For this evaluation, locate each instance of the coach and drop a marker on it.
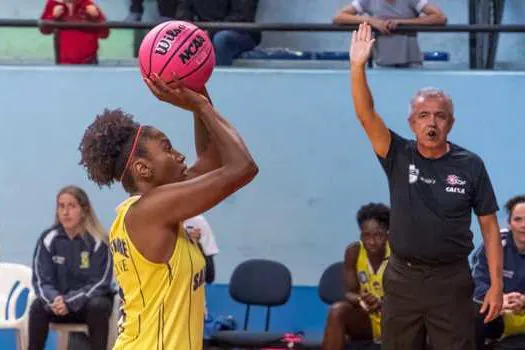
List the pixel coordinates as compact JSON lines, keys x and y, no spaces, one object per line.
{"x":434,"y":186}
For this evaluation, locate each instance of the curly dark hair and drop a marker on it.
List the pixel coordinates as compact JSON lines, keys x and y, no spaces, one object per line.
{"x":375,"y":211}
{"x":512,"y":203}
{"x":105,"y":148}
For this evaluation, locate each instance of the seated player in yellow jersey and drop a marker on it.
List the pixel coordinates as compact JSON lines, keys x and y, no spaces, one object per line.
{"x":359,"y":316}
{"x":159,"y":268}
{"x":512,"y":318}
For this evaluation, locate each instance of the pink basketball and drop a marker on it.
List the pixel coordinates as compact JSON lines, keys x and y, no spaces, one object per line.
{"x":181,"y":48}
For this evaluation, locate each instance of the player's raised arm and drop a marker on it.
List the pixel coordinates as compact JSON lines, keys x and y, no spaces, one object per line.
{"x":375,"y":128}
{"x":175,"y":202}
{"x":208,"y":157}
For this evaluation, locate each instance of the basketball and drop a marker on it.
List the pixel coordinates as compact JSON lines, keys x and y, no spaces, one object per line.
{"x":181,"y":48}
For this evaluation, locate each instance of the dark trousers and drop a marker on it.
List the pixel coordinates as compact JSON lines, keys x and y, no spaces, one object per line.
{"x":229,"y":44}
{"x":431,"y":303}
{"x":95,"y":314}
{"x":167,"y":8}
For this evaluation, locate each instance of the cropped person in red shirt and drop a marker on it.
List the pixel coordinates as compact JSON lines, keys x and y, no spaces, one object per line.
{"x":75,"y":46}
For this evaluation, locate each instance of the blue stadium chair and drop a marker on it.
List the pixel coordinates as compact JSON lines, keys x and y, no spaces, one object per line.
{"x":331,"y":285}
{"x":331,"y":289}
{"x":256,"y":282}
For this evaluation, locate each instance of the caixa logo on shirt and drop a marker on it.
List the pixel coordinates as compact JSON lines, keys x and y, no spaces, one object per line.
{"x":455,"y":184}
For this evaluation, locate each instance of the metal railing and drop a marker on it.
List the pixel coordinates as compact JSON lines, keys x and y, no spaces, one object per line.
{"x":264,"y":27}
{"x":472,"y":29}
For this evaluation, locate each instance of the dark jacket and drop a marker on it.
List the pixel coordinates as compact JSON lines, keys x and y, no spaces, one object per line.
{"x":219,"y":11}
{"x":78,"y":269}
{"x":513,"y":269}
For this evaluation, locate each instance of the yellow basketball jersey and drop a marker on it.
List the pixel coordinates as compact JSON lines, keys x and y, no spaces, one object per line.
{"x":371,"y":282}
{"x":162,"y":304}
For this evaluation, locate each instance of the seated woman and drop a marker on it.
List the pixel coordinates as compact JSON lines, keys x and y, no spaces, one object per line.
{"x":72,"y":272}
{"x":512,"y":319}
{"x":358,"y":317}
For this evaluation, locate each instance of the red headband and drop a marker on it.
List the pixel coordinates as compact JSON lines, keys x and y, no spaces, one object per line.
{"x":132,"y":152}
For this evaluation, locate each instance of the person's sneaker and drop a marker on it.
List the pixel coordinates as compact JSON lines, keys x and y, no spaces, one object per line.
{"x":133,"y":17}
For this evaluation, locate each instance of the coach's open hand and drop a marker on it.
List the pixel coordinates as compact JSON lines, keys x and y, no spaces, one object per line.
{"x":176,"y":94}
{"x":492,"y":303}
{"x":362,"y":43}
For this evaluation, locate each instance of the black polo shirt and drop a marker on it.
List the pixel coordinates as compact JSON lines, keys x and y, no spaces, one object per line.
{"x":432,"y":201}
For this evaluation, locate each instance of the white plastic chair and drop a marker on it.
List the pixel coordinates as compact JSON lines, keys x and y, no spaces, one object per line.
{"x":63,"y":329}
{"x":15,"y":284}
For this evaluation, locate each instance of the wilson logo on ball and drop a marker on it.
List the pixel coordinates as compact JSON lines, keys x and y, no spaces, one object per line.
{"x":177,"y":48}
{"x":164,"y":45}
{"x":192,"y":49}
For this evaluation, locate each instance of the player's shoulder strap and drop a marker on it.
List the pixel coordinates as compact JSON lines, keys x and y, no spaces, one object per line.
{"x":362,"y":257}
{"x":123,"y":207}
{"x":121,"y":211}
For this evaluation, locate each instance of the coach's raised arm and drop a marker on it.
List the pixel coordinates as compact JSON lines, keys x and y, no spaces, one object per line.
{"x":375,"y":128}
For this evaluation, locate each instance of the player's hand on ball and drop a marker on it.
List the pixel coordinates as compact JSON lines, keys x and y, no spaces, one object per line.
{"x":176,"y":94}
{"x":362,"y":43}
{"x":492,"y":303}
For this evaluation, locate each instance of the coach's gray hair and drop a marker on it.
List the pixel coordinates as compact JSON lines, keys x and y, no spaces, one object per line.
{"x":430,"y":92}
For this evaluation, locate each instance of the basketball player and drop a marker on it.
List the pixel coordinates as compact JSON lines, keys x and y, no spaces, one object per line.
{"x":434,"y":187}
{"x":359,"y":316}
{"x":160,"y":270}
